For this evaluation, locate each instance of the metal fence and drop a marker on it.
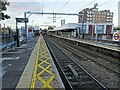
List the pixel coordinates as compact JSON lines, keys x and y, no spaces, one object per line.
{"x":8,"y":40}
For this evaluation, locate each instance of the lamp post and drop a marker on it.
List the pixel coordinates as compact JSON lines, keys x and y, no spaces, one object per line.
{"x":32,"y":28}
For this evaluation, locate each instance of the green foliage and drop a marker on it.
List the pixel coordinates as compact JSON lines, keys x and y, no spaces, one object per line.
{"x":7,"y":16}
{"x":45,"y":29}
{"x":51,"y":27}
{"x":3,"y":7}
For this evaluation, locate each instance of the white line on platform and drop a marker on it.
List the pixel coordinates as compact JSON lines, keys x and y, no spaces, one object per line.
{"x":12,"y":52}
{"x":9,"y":58}
{"x":29,"y":48}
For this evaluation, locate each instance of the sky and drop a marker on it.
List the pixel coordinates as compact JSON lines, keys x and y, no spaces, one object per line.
{"x":18,"y":7}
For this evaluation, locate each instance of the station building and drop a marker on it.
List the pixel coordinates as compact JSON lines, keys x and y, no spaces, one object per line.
{"x":75,"y":29}
{"x":100,"y":22}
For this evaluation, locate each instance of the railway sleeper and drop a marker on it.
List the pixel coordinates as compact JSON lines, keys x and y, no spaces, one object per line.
{"x":73,"y":71}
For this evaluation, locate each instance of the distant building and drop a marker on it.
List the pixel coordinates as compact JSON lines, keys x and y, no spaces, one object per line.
{"x":62,"y":22}
{"x":100,"y":21}
{"x":104,"y":16}
{"x":119,"y":13}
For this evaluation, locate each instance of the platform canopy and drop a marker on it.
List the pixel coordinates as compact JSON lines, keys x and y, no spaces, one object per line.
{"x":66,"y":26}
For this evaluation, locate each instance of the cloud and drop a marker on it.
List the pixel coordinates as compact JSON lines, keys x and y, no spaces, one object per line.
{"x":18,"y":7}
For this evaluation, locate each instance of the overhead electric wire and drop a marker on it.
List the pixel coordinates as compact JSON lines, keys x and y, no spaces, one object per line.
{"x":87,"y":5}
{"x":43,"y":5}
{"x":105,"y":3}
{"x":82,"y":7}
{"x":64,"y":5}
{"x":42,"y":11}
{"x":54,"y":5}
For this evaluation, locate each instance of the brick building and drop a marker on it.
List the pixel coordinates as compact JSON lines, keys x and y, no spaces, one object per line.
{"x":91,"y":16}
{"x":96,"y":21}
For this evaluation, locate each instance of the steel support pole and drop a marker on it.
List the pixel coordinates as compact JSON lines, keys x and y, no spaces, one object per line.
{"x":52,"y":13}
{"x":17,"y":35}
{"x":79,"y":32}
{"x":119,"y":42}
{"x":82,"y":26}
{"x":26,"y":35}
{"x":96,"y":32}
{"x":93,"y":26}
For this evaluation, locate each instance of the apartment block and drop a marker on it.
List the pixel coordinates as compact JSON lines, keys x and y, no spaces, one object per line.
{"x":92,"y":16}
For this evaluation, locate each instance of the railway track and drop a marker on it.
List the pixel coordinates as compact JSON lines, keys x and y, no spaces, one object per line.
{"x":109,"y":63}
{"x":100,"y":61}
{"x":72,"y":74}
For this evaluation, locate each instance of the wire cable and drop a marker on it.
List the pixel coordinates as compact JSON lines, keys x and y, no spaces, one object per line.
{"x":54,"y":5}
{"x":86,"y":5}
{"x":105,"y":3}
{"x":43,"y":5}
{"x":64,"y":5}
{"x":82,"y":7}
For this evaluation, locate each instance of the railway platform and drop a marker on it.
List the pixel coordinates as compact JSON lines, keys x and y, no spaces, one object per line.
{"x":40,"y":72}
{"x":97,"y":44}
{"x":49,"y":66}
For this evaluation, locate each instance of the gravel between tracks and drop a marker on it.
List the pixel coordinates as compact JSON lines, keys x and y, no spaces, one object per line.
{"x":107,"y":78}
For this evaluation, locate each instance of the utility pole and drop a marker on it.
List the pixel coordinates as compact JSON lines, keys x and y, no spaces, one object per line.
{"x":26,"y":33}
{"x":95,"y":9}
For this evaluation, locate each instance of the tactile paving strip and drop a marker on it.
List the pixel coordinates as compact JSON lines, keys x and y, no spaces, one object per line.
{"x":43,"y":73}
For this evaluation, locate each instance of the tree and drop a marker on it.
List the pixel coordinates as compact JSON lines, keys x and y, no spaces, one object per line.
{"x":44,"y":29}
{"x":51,"y":27}
{"x":3,"y":7}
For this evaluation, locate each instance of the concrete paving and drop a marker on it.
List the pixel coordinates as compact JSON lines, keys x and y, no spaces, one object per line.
{"x":40,"y":72}
{"x":14,"y":65}
{"x":99,"y":44}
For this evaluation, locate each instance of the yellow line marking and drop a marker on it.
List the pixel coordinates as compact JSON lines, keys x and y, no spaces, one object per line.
{"x":42,"y":54}
{"x":44,"y":69}
{"x":35,"y":71}
{"x":44,"y":61}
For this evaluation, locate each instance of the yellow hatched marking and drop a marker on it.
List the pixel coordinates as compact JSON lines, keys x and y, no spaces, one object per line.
{"x":43,"y":61}
{"x":35,"y":71}
{"x":44,"y":69}
{"x":42,"y":52}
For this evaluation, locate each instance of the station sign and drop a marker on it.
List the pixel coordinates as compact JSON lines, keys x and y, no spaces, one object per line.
{"x":116,"y":36}
{"x":22,"y":20}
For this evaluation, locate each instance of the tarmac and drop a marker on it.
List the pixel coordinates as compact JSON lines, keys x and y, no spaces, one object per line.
{"x":29,"y":66}
{"x":14,"y":62}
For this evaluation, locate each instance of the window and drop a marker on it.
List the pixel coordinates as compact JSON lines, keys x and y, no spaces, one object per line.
{"x":100,"y":29}
{"x":84,"y":29}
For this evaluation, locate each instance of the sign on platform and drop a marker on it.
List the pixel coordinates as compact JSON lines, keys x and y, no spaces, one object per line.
{"x":22,"y":20}
{"x":116,"y":36}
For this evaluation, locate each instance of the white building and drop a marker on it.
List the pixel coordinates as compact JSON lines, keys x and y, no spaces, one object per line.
{"x":119,"y":13}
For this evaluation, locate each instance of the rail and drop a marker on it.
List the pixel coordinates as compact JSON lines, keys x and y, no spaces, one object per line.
{"x":62,"y":60}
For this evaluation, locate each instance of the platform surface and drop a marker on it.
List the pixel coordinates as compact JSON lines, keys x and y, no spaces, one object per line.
{"x":40,"y":71}
{"x":14,"y":62}
{"x":99,"y":44}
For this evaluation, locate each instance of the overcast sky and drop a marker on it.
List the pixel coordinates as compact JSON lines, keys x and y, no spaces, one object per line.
{"x":18,"y":7}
